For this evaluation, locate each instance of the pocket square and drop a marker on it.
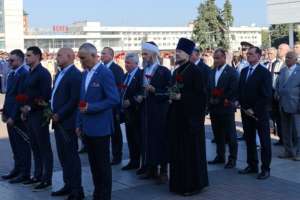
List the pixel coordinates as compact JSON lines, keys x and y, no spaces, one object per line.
{"x":95,"y":84}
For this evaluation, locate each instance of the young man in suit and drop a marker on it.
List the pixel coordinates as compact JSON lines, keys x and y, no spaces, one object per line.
{"x":64,"y":104}
{"x":255,"y":95}
{"x":38,"y":88}
{"x":288,"y":93}
{"x":11,"y":115}
{"x":224,"y":78}
{"x":107,"y":56}
{"x":98,"y":96}
{"x":131,"y":109}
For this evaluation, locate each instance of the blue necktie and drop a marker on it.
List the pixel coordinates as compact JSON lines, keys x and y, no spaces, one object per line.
{"x":250,"y":71}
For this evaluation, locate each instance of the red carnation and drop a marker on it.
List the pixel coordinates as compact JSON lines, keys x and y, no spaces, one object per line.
{"x":148,"y":76}
{"x":179,"y":78}
{"x":122,"y":86}
{"x":227,"y":103}
{"x":217,"y":92}
{"x":21,"y":98}
{"x":82,"y":104}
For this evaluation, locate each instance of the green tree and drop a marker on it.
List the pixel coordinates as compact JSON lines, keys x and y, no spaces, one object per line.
{"x":210,"y":29}
{"x":227,"y":14}
{"x":265,"y":39}
{"x":279,"y":33}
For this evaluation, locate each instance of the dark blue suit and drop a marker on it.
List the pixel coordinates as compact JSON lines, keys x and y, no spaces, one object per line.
{"x":65,"y":104}
{"x":97,"y":126}
{"x":222,"y":116}
{"x":116,"y":138}
{"x":132,"y":117}
{"x":11,"y":109}
{"x":256,"y":93}
{"x":38,"y":85}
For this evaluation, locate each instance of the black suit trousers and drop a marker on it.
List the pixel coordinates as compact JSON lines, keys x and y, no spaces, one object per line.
{"x":98,"y":153}
{"x":116,"y":138}
{"x":67,"y":145}
{"x":225,"y":132}
{"x":262,"y":127}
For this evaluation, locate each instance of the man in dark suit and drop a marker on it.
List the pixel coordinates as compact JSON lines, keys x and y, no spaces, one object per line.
{"x":131,"y":109}
{"x":273,"y":66}
{"x":255,"y":94}
{"x":223,"y":94}
{"x":206,"y":71}
{"x":38,"y":88}
{"x":98,"y":96}
{"x":11,"y":115}
{"x":64,"y":104}
{"x":107,"y":56}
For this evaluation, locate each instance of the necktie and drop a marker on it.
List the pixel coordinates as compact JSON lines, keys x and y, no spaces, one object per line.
{"x":127,"y":80}
{"x":250,"y":71}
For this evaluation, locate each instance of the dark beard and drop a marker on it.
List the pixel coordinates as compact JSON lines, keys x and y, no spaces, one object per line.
{"x":181,"y":62}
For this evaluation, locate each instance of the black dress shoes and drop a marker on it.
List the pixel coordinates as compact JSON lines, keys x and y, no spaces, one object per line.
{"x":44,"y":185}
{"x":130,"y":166}
{"x":230,"y":164}
{"x":61,"y":192}
{"x":217,"y":160}
{"x":115,"y":161}
{"x":11,"y":175}
{"x":19,"y":179}
{"x":141,"y":171}
{"x":31,"y":181}
{"x":76,"y":196}
{"x":263,"y":175}
{"x":248,"y":170}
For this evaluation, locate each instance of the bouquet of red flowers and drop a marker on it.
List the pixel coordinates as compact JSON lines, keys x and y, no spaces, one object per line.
{"x":22,"y":98}
{"x":48,"y":114}
{"x":122,"y":86}
{"x":82,"y":104}
{"x":217,"y":92}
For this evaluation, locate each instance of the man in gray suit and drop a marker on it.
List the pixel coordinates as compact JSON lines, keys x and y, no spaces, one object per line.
{"x":288,"y":91}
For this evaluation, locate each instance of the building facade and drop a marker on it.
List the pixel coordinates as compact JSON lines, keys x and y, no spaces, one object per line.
{"x":125,"y":38}
{"x":11,"y":25}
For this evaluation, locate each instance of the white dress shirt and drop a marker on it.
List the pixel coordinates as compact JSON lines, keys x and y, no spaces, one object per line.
{"x":218,"y":74}
{"x":57,"y":81}
{"x":90,"y":74}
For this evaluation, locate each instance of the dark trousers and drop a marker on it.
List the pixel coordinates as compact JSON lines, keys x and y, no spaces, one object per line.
{"x":20,"y":149}
{"x":98,"y":153}
{"x":40,"y":145}
{"x":225,"y":132}
{"x":116,"y":138}
{"x":133,"y":138}
{"x":67,"y":145}
{"x":275,"y":117}
{"x":262,"y":126}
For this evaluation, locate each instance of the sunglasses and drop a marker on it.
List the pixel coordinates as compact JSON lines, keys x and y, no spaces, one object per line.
{"x":11,"y":60}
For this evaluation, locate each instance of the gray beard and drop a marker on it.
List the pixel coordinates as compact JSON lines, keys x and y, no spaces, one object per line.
{"x":146,"y":64}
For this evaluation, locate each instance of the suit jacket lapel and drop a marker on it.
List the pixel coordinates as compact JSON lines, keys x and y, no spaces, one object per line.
{"x":293,"y":75}
{"x":94,"y":77}
{"x":222,"y":76}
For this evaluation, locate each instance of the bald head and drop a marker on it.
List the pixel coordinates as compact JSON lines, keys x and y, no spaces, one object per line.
{"x":283,"y":49}
{"x":65,"y":57}
{"x":291,"y":58}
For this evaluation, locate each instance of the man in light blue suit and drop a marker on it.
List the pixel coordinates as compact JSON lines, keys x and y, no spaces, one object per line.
{"x":99,"y":95}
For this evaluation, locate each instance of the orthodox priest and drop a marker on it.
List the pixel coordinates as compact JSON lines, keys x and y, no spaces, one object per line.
{"x":188,"y":167}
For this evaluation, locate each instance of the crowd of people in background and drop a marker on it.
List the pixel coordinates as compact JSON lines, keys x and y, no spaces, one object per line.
{"x":163,"y":108}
